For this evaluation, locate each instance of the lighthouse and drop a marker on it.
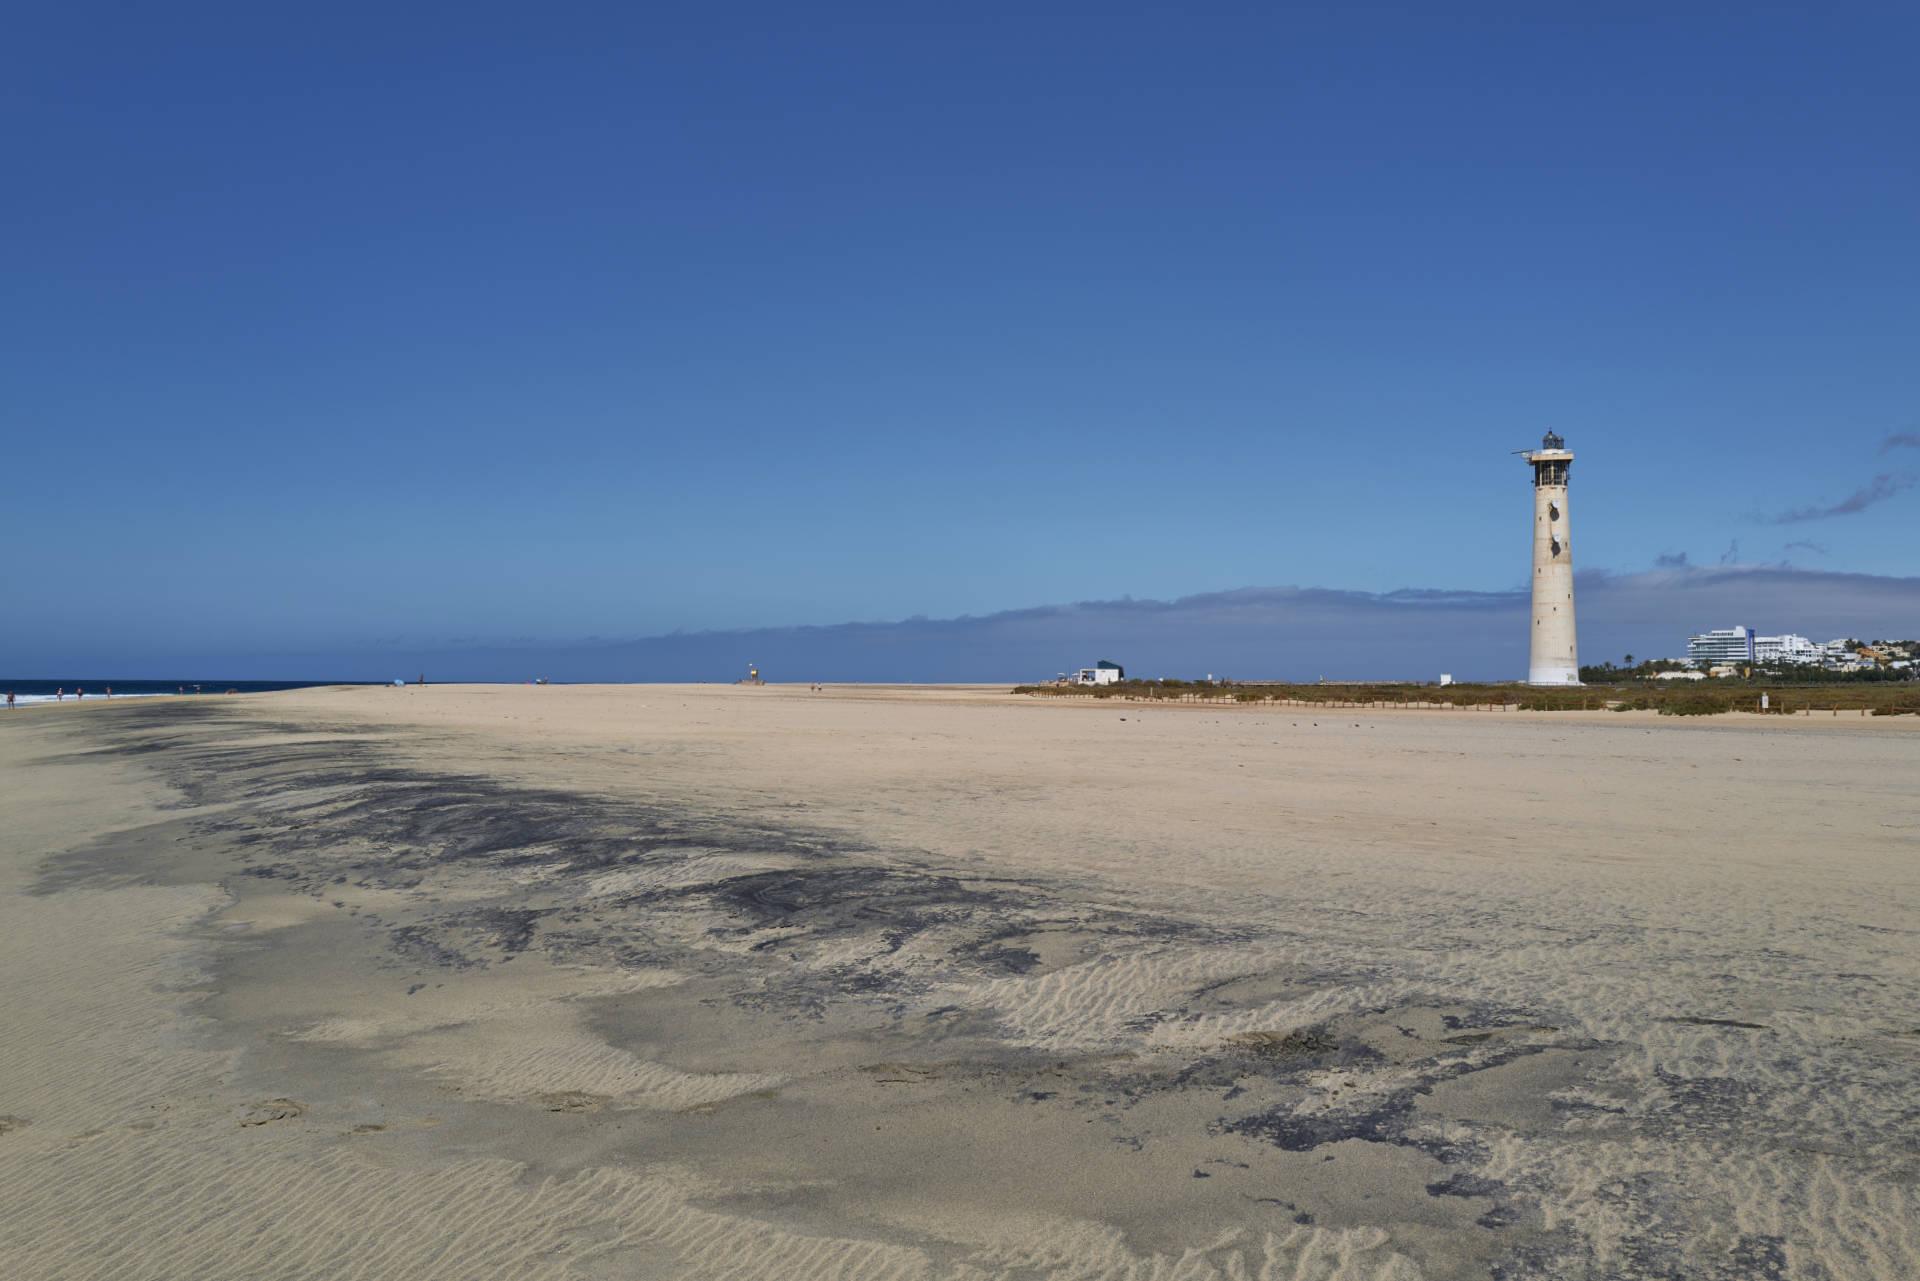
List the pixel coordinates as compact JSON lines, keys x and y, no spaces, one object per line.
{"x":1553,"y":658}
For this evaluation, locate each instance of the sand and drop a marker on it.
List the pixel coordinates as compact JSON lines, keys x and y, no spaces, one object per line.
{"x":671,"y":981}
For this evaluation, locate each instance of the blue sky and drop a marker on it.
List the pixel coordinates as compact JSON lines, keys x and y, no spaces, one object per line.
{"x":342,"y":332}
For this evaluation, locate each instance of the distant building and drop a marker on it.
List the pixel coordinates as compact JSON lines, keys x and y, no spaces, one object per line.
{"x":1726,"y":645}
{"x":1790,"y":649}
{"x":1737,"y":645}
{"x":1101,"y":673}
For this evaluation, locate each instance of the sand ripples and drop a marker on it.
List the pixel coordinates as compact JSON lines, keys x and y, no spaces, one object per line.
{"x":729,"y":1051}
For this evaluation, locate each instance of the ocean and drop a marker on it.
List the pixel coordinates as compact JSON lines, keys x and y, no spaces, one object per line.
{"x":26,"y":692}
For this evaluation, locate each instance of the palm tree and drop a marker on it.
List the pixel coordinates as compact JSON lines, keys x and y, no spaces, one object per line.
{"x":1629,"y":660}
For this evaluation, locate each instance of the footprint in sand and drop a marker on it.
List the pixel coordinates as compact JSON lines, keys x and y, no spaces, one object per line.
{"x":573,"y":1101}
{"x":273,"y":1110}
{"x":901,"y":1073}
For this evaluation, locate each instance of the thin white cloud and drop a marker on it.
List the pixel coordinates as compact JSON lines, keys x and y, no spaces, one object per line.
{"x":1877,"y":490}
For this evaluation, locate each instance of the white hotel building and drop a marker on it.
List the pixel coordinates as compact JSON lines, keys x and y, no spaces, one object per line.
{"x":1729,"y":645}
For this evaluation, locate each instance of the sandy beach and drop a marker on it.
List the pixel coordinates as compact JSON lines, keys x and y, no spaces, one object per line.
{"x":948,"y":984}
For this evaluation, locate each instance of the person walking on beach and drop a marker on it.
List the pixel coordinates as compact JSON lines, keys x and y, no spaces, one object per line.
{"x":9,"y":700}
{"x":60,"y":695}
{"x":79,"y":692}
{"x":109,"y":691}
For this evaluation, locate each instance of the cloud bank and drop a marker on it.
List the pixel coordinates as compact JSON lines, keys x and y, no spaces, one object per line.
{"x":1291,"y":633}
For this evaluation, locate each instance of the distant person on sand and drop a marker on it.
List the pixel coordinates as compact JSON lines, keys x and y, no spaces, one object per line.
{"x":109,"y":691}
{"x":60,"y":695}
{"x":9,"y":700}
{"x":79,"y":692}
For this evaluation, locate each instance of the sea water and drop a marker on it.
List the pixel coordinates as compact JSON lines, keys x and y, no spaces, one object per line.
{"x":28,"y":692}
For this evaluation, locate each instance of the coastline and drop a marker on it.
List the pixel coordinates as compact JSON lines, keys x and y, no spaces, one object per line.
{"x":929,"y":981}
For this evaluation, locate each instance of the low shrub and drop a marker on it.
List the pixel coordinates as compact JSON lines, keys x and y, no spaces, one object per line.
{"x":1696,"y":705}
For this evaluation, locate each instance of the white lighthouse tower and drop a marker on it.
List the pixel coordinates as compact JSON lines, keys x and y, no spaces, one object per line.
{"x":1554,"y":657}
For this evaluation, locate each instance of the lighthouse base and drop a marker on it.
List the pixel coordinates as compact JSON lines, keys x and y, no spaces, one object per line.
{"x":1553,"y":676}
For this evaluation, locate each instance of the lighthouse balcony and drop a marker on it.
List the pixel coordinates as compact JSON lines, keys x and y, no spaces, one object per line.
{"x":1549,"y":470}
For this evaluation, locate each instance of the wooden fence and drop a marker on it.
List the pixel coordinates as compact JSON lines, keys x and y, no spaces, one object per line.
{"x":1776,"y":705}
